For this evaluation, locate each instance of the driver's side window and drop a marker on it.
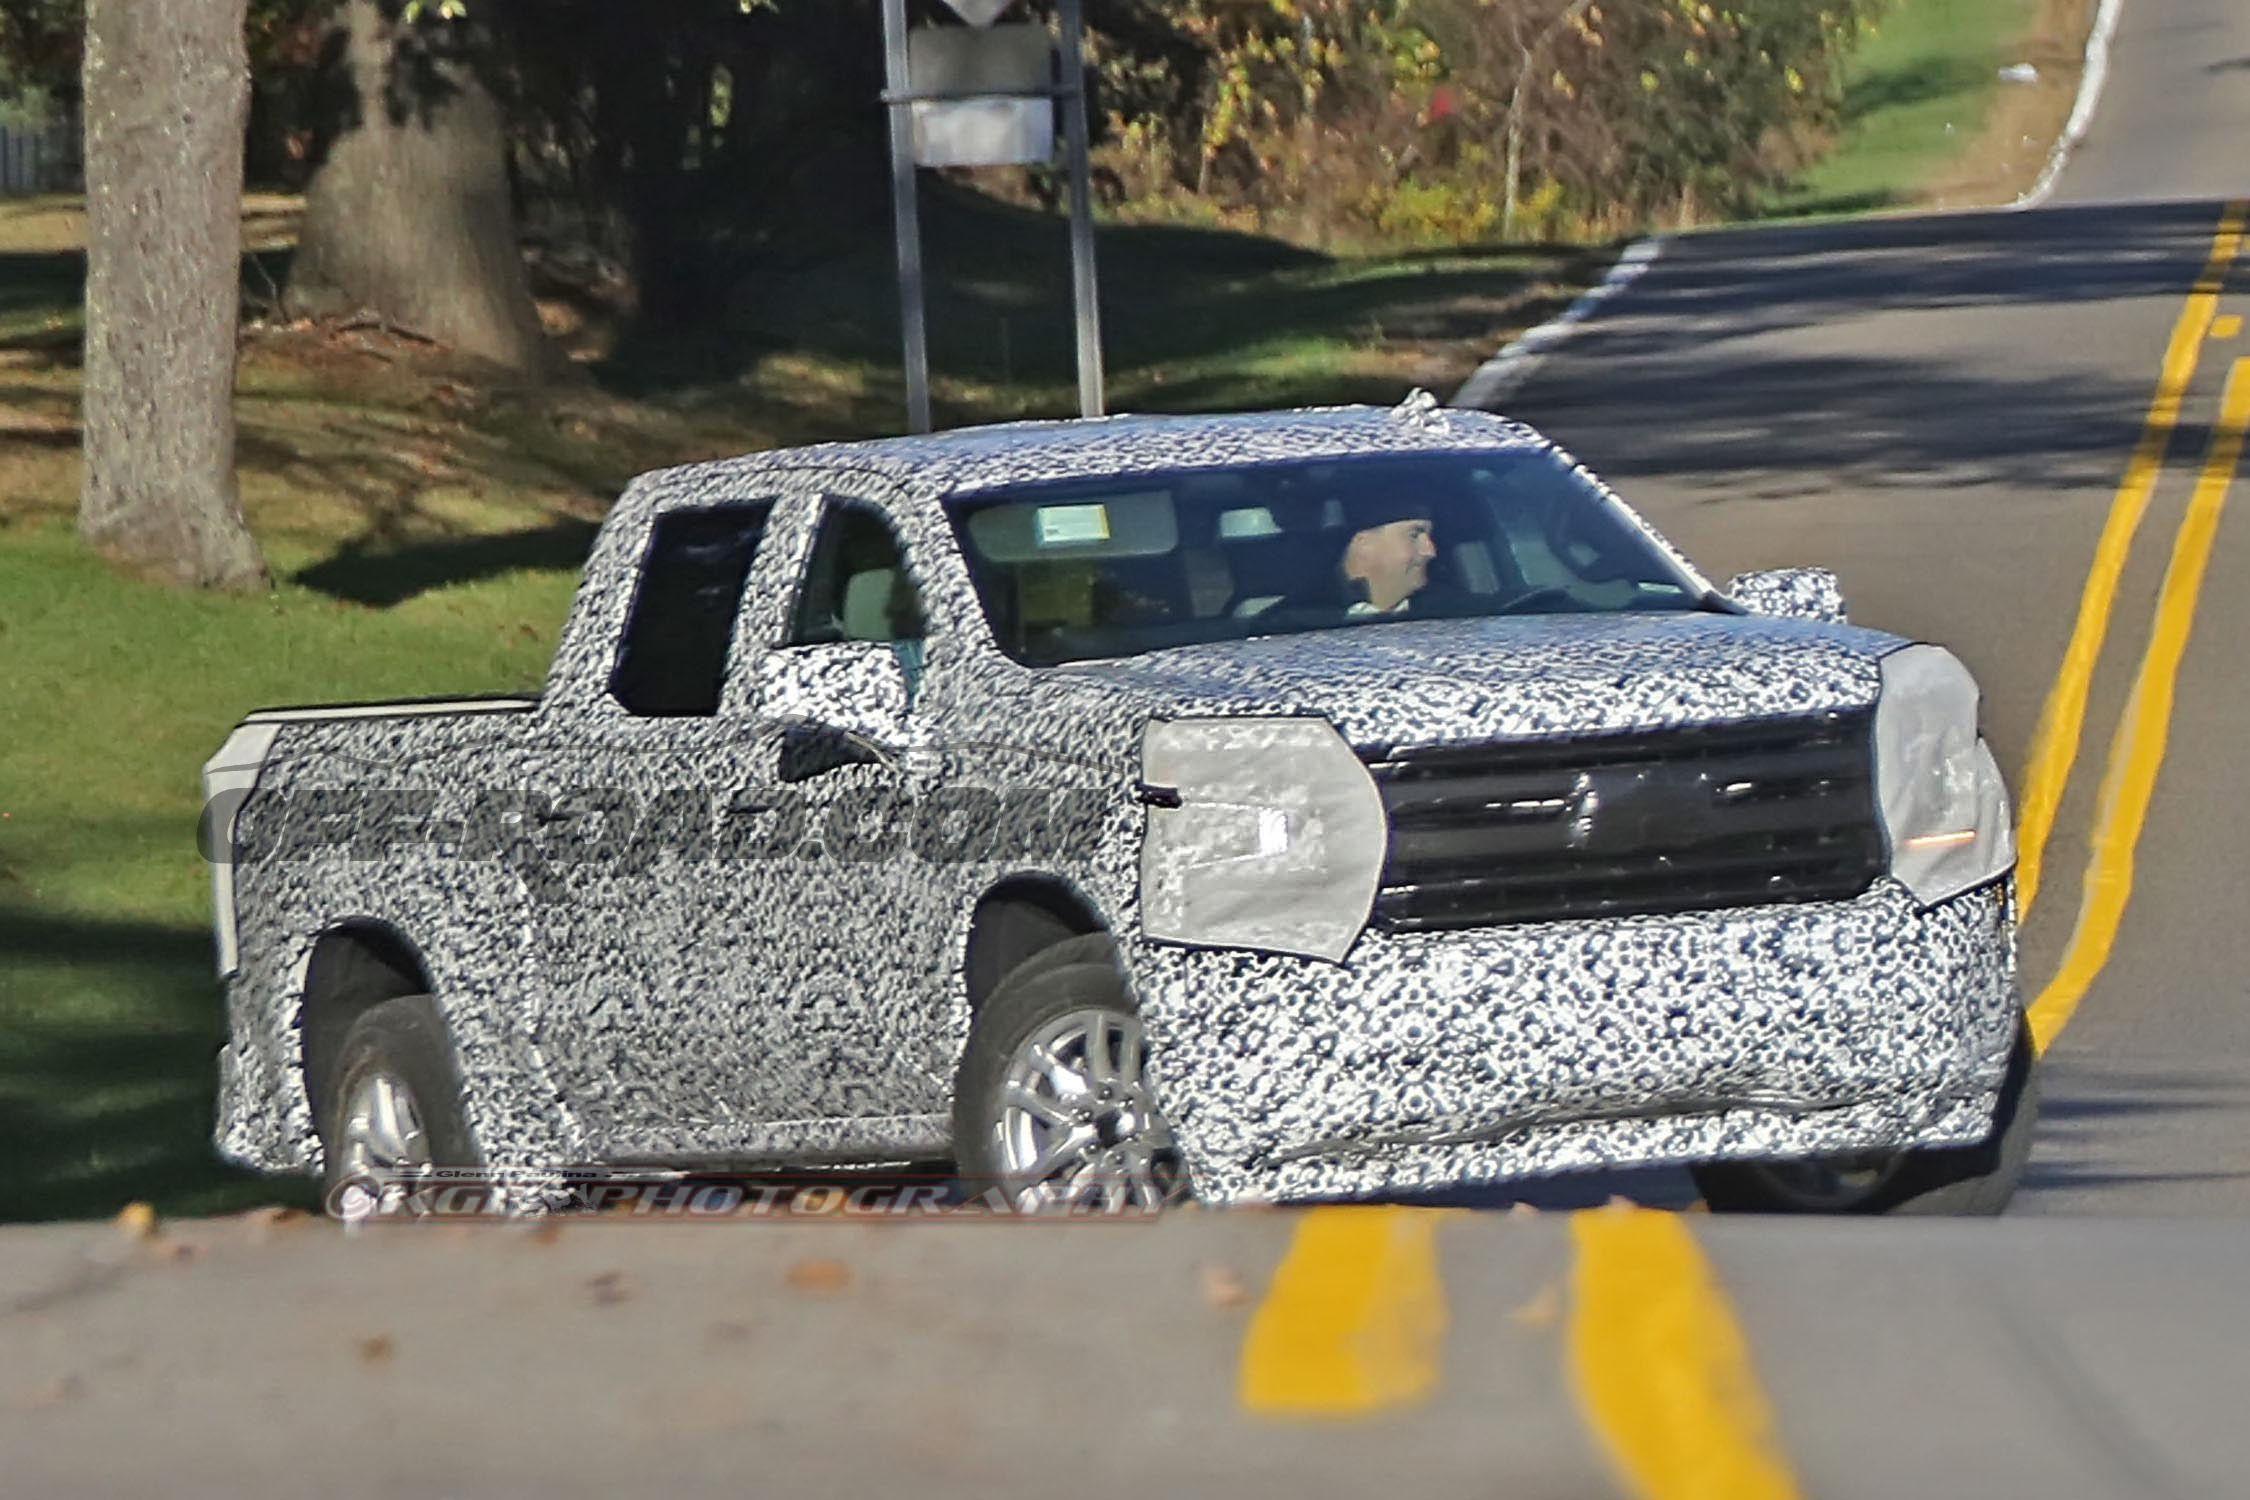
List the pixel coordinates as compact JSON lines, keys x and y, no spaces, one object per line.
{"x":857,"y":588}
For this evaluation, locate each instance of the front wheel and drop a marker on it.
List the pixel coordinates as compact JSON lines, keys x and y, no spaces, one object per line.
{"x":1054,"y":1104}
{"x":1967,"y":1181}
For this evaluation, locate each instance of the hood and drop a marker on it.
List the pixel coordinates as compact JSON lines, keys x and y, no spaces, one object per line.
{"x":1435,"y":681}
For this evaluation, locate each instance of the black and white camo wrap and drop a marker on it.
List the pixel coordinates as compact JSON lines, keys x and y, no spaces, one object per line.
{"x":1791,"y":594}
{"x":780,"y":997}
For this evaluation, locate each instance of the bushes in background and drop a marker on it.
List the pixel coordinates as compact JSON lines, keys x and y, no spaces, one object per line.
{"x":1409,"y":120}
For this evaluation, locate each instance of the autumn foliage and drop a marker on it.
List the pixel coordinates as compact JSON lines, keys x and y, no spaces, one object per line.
{"x":1392,"y":119}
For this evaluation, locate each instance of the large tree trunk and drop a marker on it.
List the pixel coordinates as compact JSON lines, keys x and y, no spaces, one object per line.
{"x":408,"y":214}
{"x":166,"y":91}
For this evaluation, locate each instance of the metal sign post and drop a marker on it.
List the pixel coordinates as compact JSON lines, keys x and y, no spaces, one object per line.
{"x":907,"y":215}
{"x":1085,"y":284}
{"x":960,"y":98}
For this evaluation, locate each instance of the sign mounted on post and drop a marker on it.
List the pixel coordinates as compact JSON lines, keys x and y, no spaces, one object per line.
{"x":980,"y":12}
{"x":985,"y":95}
{"x":982,"y":98}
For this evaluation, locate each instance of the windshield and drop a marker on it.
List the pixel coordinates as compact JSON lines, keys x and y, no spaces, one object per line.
{"x":1112,"y":567}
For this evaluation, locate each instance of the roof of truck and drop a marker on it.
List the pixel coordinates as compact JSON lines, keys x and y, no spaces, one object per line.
{"x":981,"y":458}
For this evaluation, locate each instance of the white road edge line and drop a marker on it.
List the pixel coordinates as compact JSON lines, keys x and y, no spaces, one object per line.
{"x":1498,"y":377}
{"x":2081,"y":113}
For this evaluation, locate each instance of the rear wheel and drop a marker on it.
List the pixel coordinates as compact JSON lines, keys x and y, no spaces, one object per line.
{"x":1054,"y":1104}
{"x":1961,"y":1180}
{"x":391,"y":1109}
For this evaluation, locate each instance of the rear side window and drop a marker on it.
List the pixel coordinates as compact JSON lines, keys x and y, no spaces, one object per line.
{"x":673,"y":662}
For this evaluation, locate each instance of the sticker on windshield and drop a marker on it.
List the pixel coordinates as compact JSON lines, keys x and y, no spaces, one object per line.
{"x":1251,"y":524}
{"x":1061,"y":525}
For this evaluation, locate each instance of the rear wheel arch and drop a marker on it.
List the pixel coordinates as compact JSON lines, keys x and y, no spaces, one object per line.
{"x":354,"y":966}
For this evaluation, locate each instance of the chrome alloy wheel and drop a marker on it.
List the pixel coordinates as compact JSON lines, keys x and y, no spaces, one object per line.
{"x":384,"y":1142}
{"x":1832,"y":1184}
{"x":1079,"y":1124}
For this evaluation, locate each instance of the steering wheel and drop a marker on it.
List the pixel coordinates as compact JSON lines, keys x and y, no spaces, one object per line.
{"x":1549,"y":595}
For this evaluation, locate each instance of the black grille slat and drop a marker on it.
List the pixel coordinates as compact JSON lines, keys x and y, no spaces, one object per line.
{"x":1676,"y":820}
{"x":1717,"y":857}
{"x":1472,"y":839}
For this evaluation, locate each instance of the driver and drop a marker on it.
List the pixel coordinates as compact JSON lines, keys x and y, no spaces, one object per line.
{"x":1387,"y":561}
{"x":1384,"y":563}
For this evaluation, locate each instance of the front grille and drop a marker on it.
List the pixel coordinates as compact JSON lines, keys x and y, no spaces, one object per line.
{"x":1664,"y":821}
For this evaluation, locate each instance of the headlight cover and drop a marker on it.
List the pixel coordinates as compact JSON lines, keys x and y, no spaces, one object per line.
{"x":1262,"y":833}
{"x":1945,"y":808}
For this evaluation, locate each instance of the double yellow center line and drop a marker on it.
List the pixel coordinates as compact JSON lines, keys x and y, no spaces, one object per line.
{"x":1354,"y":1325}
{"x":2063,"y":718}
{"x":2136,"y":753}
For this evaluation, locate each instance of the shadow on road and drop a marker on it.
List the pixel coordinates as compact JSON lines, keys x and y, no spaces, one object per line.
{"x":1869,"y":407}
{"x":2104,"y":1125}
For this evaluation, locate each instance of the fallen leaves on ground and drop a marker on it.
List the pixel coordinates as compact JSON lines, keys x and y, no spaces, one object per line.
{"x":820,"y":1277}
{"x":1223,"y":1286}
{"x":1542,"y":1311}
{"x":55,"y":1392}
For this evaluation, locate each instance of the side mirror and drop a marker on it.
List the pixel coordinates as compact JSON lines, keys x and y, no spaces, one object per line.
{"x":1790,"y":594}
{"x":858,"y":687}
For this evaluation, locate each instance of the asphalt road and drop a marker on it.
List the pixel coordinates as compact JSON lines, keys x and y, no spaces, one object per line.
{"x":1943,"y":408}
{"x":1255,"y":1354}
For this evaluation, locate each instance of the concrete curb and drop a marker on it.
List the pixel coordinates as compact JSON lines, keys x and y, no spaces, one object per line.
{"x":1499,"y":377}
{"x":2090,"y":84}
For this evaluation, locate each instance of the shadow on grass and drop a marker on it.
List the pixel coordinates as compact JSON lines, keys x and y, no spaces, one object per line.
{"x":365,"y":573}
{"x":1200,"y":302}
{"x":1916,"y":82}
{"x":41,"y":281}
{"x":108,"y":1072}
{"x":1833,"y":204}
{"x":43,"y":294}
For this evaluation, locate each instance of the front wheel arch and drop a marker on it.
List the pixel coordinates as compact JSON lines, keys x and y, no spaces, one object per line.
{"x":1015,"y":922}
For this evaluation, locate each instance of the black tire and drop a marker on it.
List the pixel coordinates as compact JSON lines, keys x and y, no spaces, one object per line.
{"x":405,"y":1037}
{"x":1964,"y":1181}
{"x":1078,"y":974}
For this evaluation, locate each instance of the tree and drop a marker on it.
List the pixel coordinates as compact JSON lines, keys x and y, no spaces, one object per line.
{"x":166,"y":91}
{"x":408,"y":213}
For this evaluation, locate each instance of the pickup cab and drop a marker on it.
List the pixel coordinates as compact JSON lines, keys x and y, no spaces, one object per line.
{"x":1301,"y":805}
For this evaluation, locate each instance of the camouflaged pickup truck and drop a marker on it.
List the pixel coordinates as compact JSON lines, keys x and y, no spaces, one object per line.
{"x":1318,"y":804}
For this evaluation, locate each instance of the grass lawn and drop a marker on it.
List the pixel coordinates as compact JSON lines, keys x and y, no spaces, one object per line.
{"x":1916,"y":95}
{"x":425,"y":527}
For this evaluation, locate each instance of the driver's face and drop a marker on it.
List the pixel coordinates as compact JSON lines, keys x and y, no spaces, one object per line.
{"x":1393,"y":560}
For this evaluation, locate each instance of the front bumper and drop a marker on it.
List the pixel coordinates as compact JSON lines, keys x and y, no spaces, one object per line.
{"x":1452,"y":1059}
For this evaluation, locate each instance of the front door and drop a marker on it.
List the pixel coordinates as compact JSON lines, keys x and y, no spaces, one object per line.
{"x":856,"y":934}
{"x":618,"y":852}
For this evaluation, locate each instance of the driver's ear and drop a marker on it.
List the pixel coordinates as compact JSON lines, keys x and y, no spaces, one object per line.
{"x":1352,"y":551}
